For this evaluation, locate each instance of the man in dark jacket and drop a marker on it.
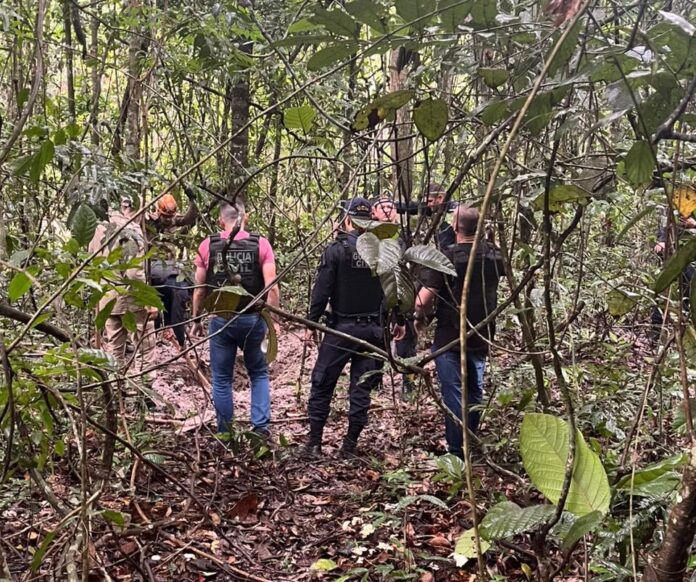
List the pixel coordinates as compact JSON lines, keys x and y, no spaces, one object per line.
{"x":346,"y":283}
{"x":482,"y":300}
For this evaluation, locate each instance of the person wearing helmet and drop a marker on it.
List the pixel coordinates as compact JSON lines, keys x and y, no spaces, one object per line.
{"x":162,"y":226}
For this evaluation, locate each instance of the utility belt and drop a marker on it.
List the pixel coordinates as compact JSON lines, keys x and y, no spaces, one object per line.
{"x":227,"y":315}
{"x":336,"y":317}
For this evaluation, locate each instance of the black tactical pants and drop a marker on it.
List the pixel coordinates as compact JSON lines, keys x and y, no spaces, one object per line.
{"x":334,"y":354}
{"x":175,"y":297}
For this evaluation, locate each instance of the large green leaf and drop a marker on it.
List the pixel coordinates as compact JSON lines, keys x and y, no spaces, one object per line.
{"x":19,"y":285}
{"x":453,"y":13}
{"x":430,"y":117}
{"x":560,"y":195}
{"x":430,"y":257}
{"x":379,"y":229}
{"x":367,"y":246}
{"x":508,"y":519}
{"x":330,"y":55}
{"x":335,"y":21}
{"x":640,"y":163}
{"x":414,"y":11}
{"x":41,"y":159}
{"x":652,"y":472}
{"x":544,"y":449}
{"x":398,"y":290}
{"x":582,"y":526}
{"x":465,"y":548}
{"x":299,"y":118}
{"x":389,"y":255}
{"x":493,"y":77}
{"x":675,"y":265}
{"x":83,"y":224}
{"x":380,"y":108}
{"x":621,"y":302}
{"x":368,"y":12}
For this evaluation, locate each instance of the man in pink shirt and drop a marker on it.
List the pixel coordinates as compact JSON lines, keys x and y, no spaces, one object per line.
{"x":246,"y":261}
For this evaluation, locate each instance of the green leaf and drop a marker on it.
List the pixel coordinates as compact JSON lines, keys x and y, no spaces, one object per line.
{"x":652,"y":472}
{"x":507,"y":519}
{"x":430,"y":117}
{"x":41,"y":159}
{"x":675,"y":265}
{"x":640,"y":163}
{"x":37,"y":560}
{"x":582,"y":526}
{"x":679,"y":21}
{"x":465,"y":548}
{"x":413,"y":12}
{"x":404,"y":502}
{"x":544,"y":449}
{"x":324,"y":565}
{"x":398,"y":290}
{"x":128,"y":321}
{"x":493,"y":77}
{"x":144,"y":295}
{"x":621,"y":302}
{"x":380,"y":229}
{"x":560,"y":195}
{"x":299,"y":118}
{"x":301,"y":26}
{"x":367,"y":246}
{"x":115,"y":517}
{"x":335,"y":21}
{"x":692,"y":301}
{"x":494,"y":112}
{"x":97,"y":358}
{"x":453,"y":13}
{"x":483,"y":13}
{"x":539,"y":113}
{"x":83,"y":224}
{"x":368,"y":12}
{"x":431,"y":258}
{"x":380,"y":108}
{"x":103,"y":315}
{"x":330,"y":55}
{"x":19,"y":285}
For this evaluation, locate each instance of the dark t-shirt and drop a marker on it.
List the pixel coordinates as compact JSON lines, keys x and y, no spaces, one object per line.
{"x":483,"y":294}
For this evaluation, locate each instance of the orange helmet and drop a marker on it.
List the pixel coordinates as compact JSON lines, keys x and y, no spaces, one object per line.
{"x":166,"y":205}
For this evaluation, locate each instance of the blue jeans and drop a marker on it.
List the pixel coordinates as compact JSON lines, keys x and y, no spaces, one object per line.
{"x":246,"y":332}
{"x":448,"y":373}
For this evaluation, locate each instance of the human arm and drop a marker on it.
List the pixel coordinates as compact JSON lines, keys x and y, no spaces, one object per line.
{"x":273,"y":298}
{"x":199,"y":293}
{"x":424,"y":302}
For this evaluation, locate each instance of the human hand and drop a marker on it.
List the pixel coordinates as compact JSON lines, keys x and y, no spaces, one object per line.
{"x":197,"y":329}
{"x":310,"y":336}
{"x":689,"y":222}
{"x":660,"y":248}
{"x":276,"y":328}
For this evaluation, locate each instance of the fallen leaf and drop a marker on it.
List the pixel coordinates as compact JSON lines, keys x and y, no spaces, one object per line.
{"x":427,"y":577}
{"x":245,"y":506}
{"x":439,"y":542}
{"x":128,"y":548}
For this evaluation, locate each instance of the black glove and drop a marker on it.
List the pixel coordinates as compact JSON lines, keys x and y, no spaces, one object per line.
{"x":190,"y":194}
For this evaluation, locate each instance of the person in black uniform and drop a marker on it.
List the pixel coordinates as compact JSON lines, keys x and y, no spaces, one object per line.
{"x":347,"y":284}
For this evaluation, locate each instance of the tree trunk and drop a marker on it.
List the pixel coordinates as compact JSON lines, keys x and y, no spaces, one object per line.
{"x":402,"y":61}
{"x":669,"y":565}
{"x":69,"y":65}
{"x":239,"y":97}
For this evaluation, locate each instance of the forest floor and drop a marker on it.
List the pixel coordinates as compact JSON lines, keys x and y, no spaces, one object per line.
{"x":243,"y":511}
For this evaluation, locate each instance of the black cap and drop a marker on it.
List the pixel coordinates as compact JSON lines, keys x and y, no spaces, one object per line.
{"x":359,"y":207}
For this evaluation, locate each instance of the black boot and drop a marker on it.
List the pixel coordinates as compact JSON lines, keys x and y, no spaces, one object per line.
{"x":312,"y":448}
{"x":350,"y":442}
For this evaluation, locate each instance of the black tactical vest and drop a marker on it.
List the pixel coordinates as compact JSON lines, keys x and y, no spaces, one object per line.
{"x":357,"y":291}
{"x":235,"y":264}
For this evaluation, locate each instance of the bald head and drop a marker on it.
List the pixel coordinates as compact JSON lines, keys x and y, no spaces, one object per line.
{"x":466,"y":220}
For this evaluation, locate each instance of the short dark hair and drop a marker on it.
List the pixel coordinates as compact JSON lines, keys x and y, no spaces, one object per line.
{"x":466,"y":218}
